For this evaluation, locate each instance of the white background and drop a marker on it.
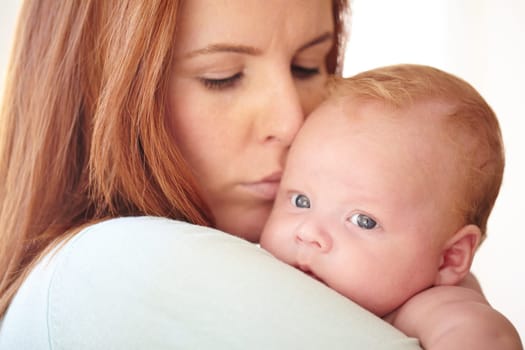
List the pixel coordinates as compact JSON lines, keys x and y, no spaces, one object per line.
{"x":483,"y":42}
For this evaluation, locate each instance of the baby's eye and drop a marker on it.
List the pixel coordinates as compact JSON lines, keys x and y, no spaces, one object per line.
{"x":300,"y":201}
{"x":363,"y":221}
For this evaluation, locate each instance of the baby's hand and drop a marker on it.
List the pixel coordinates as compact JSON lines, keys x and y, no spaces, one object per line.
{"x":454,"y":317}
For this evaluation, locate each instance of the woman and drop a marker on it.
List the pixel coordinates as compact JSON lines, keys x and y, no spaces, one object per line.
{"x":124,"y":120}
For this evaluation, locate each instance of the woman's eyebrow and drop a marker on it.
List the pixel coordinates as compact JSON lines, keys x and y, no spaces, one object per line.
{"x":251,"y":50}
{"x":325,"y":37}
{"x":220,"y":47}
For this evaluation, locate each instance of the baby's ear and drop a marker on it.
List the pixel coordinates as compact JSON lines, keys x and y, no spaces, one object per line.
{"x":457,"y":255}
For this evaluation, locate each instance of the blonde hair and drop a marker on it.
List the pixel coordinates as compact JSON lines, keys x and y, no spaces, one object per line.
{"x":82,"y":126}
{"x":469,"y":119}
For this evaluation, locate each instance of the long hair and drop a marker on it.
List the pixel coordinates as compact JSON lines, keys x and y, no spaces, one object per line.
{"x":82,"y":127}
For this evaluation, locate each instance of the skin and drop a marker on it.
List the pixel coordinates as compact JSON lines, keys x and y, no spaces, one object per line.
{"x":362,"y":162}
{"x":238,"y":95}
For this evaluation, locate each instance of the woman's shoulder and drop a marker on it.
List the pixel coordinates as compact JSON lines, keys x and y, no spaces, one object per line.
{"x":141,"y":241}
{"x":105,"y":272}
{"x":141,"y":227}
{"x":146,"y":282}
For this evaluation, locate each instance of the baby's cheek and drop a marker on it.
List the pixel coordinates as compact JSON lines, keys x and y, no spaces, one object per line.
{"x":270,"y":239}
{"x":265,"y":239}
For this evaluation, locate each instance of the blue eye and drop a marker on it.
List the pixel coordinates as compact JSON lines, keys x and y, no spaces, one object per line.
{"x":363,"y":221}
{"x":223,"y":83}
{"x":300,"y":201}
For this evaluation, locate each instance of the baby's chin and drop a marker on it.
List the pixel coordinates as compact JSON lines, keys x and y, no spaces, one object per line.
{"x":381,"y":306}
{"x":314,"y":276}
{"x":307,"y":271}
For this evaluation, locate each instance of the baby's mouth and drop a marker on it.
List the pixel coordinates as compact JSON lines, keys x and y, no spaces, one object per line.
{"x":305,"y":269}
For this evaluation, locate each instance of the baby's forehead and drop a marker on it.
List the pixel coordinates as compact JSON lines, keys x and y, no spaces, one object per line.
{"x":357,"y":110}
{"x":416,"y":132}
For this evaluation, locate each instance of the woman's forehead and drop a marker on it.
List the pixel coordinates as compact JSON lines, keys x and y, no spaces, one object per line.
{"x":251,"y":22}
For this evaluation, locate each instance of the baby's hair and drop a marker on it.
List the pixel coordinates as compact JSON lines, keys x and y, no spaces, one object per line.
{"x":470,"y":124}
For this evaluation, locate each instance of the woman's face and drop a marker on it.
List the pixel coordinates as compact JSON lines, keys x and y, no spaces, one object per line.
{"x":245,"y":74}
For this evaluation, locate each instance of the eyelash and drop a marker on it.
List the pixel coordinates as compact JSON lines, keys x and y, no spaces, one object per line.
{"x":220,"y":84}
{"x":224,"y":83}
{"x":304,"y":72}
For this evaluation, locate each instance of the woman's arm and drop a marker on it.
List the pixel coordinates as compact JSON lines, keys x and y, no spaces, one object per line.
{"x":152,"y":283}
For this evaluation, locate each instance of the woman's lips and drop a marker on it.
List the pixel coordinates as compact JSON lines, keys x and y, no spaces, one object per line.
{"x":266,"y":188}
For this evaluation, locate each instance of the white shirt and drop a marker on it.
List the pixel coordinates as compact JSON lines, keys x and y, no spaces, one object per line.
{"x":154,"y":283}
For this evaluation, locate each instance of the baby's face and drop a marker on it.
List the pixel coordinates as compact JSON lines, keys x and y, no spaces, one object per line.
{"x":362,"y":204}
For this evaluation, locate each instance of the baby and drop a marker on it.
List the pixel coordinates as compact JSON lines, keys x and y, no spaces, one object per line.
{"x":385,"y":198}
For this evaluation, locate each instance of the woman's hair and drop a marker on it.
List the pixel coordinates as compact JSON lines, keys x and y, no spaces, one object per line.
{"x":83,"y":134}
{"x":341,"y":13}
{"x":471,"y":126}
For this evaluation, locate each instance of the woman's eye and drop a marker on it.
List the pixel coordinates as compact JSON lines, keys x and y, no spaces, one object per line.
{"x":301,"y":72}
{"x":223,"y":83}
{"x":300,"y":201}
{"x":363,"y":221}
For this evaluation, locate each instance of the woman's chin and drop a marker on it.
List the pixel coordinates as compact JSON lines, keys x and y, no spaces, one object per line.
{"x":247,"y":224}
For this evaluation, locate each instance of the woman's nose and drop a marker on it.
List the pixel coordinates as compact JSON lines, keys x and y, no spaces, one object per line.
{"x":284,"y":115}
{"x":313,"y":238}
